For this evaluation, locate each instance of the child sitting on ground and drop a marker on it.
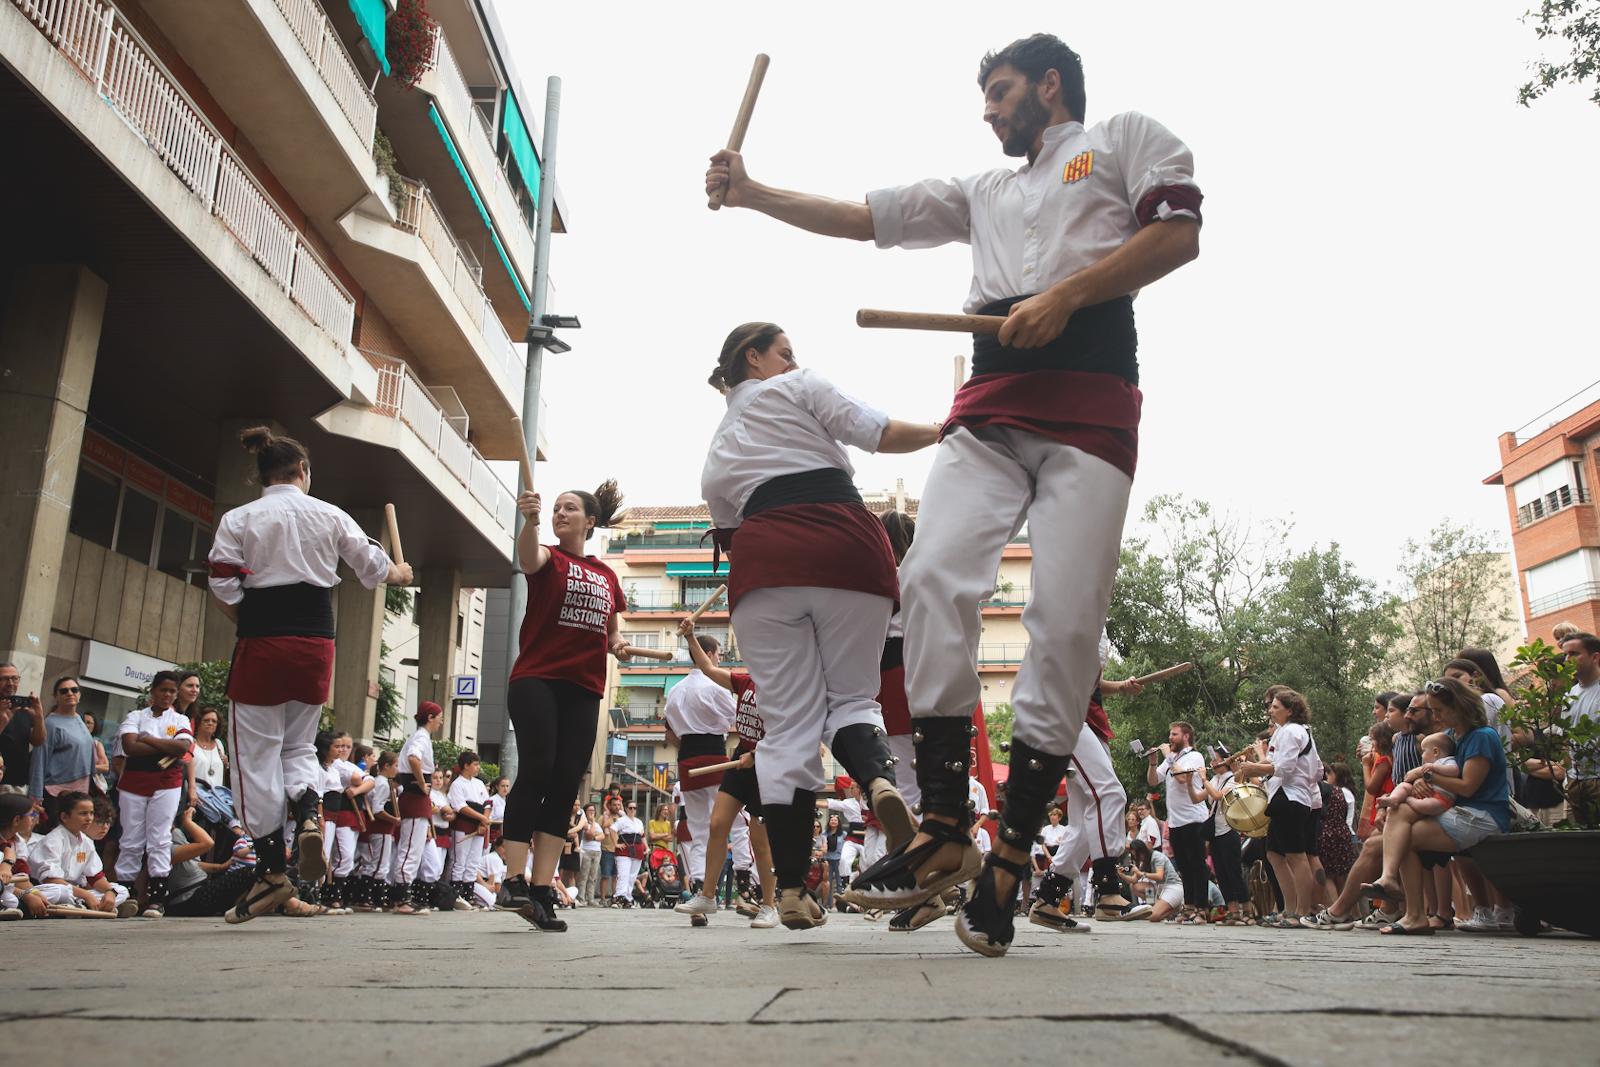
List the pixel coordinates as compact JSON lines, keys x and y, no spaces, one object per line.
{"x":16,"y":897}
{"x":67,"y":868}
{"x":1438,"y":749}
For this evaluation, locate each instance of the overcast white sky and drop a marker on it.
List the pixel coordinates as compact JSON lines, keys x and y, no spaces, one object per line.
{"x":1397,"y":263}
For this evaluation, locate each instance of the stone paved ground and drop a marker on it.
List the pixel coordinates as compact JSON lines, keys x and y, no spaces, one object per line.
{"x":473,"y":989}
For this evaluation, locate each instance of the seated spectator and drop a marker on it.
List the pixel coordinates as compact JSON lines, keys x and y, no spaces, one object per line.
{"x":197,"y":888}
{"x":491,"y":873}
{"x":1377,"y":766}
{"x":1440,"y":751}
{"x":1151,"y":866}
{"x":16,"y":818}
{"x":67,"y":869}
{"x":64,"y":762}
{"x":1482,"y":803}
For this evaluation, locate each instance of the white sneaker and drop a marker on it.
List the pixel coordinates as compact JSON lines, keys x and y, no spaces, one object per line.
{"x":1505,"y":919}
{"x":1377,"y":919}
{"x":1482,"y":922}
{"x":461,"y":905}
{"x":766,"y":918}
{"x":9,"y":914}
{"x":698,"y":904}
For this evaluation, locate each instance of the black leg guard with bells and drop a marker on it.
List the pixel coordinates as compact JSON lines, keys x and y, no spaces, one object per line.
{"x":943,"y":750}
{"x":1030,"y":790}
{"x":789,"y":834}
{"x":864,"y":751}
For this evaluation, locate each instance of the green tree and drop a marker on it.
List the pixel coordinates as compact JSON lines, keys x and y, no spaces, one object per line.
{"x":1450,"y":598}
{"x":1577,"y":22}
{"x":1331,"y":631}
{"x":997,"y":722}
{"x":213,"y":685}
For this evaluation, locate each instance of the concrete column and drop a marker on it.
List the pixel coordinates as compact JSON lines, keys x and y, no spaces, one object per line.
{"x":358,"y":644}
{"x":237,"y":483}
{"x":436,"y":642}
{"x":49,"y":338}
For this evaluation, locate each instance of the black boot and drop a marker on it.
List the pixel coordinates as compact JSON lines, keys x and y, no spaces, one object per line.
{"x":906,"y":875}
{"x":864,"y":751}
{"x":789,"y":836}
{"x":308,"y":836}
{"x":515,"y":894}
{"x":1053,"y":907}
{"x":155,"y":898}
{"x":539,"y":909}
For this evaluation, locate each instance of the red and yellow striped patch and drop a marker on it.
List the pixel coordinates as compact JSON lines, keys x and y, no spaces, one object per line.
{"x":1078,"y":168}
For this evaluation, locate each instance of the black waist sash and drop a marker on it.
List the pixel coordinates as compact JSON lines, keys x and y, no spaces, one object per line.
{"x":335,"y":800}
{"x":1100,"y":339}
{"x":826,"y":485}
{"x":691,"y":745}
{"x":894,"y":654}
{"x":298,"y":610}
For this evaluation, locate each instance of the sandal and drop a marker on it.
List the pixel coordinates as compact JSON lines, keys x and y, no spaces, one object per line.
{"x":903,"y":877}
{"x":1398,"y":930}
{"x":1234,"y":919}
{"x":985,"y":924}
{"x":917,"y":916}
{"x":1443,"y":924}
{"x":1379,"y":891}
{"x":270,"y":892}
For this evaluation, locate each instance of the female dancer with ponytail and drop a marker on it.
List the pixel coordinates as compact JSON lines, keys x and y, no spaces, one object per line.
{"x":812,"y":586}
{"x":556,"y":686}
{"x":274,"y":565}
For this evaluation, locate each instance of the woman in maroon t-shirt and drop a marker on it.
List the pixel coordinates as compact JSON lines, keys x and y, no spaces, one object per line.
{"x":556,"y":685}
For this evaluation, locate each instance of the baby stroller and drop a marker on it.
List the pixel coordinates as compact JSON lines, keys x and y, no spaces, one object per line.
{"x":665,"y":881}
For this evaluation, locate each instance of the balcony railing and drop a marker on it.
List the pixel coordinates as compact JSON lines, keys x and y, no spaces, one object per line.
{"x":477,"y":141}
{"x":419,"y":214}
{"x":684,"y":539}
{"x":1001,"y":655}
{"x":401,"y":395}
{"x":1556,"y":500}
{"x":1015,"y":597}
{"x":129,"y":77}
{"x":1566,"y":598}
{"x":680,"y":660}
{"x":327,"y":53}
{"x":665,"y":602}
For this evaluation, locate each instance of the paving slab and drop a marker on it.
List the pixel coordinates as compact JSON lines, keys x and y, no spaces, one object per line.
{"x":643,"y":987}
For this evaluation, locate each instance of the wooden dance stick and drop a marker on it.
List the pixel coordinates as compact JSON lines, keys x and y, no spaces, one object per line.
{"x":66,"y":911}
{"x":741,"y":123}
{"x":873,"y":319}
{"x":705,"y":605}
{"x":1163,"y":675}
{"x":713,"y":768}
{"x":523,"y":459}
{"x":652,"y":653}
{"x":396,"y":553}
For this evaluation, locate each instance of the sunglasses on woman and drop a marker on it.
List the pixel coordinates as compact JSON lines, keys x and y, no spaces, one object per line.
{"x":68,"y":689}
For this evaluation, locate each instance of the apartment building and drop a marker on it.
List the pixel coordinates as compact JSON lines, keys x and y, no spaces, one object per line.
{"x":255,"y":211}
{"x":1548,"y":469}
{"x":666,"y":573}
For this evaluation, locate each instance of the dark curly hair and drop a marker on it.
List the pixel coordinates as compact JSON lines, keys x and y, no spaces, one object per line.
{"x":1035,"y":55}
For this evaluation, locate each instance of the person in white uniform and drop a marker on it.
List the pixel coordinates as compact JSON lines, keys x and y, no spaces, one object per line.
{"x":415,"y":782}
{"x":66,"y":869}
{"x":811,"y":587}
{"x":1045,"y":432}
{"x":274,"y":565}
{"x":469,"y":799}
{"x":698,"y":715}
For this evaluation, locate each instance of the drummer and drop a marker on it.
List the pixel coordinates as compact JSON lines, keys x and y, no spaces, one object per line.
{"x":1227,"y":848}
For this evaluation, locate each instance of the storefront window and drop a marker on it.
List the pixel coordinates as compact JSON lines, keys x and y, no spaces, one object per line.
{"x":136,"y":527}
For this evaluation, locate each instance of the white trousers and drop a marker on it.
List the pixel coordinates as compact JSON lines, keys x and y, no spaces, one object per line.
{"x":739,"y":842}
{"x":409,"y":848}
{"x":146,"y":833}
{"x":274,"y":760}
{"x":481,"y":894}
{"x":874,"y":848}
{"x":905,"y":776}
{"x":467,"y":854}
{"x":627,"y":871}
{"x":1096,"y":804}
{"x":342,"y":853}
{"x":697,"y":804}
{"x":374,"y":855}
{"x":848,"y":852}
{"x":814,"y":655}
{"x":982,"y":488}
{"x":433,"y":859}
{"x":59,"y":895}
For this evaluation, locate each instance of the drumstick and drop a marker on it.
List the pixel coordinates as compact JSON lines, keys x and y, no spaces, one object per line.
{"x":651,"y":653}
{"x":741,"y":123}
{"x":397,"y":553}
{"x":1163,"y":675}
{"x":712,"y":768}
{"x":874,"y":319}
{"x":716,"y":595}
{"x":523,"y":459}
{"x":65,"y":911}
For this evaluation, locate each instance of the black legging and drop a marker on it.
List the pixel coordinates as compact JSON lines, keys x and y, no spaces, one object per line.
{"x":1227,"y":861}
{"x":1189,"y":853}
{"x":555,"y":724}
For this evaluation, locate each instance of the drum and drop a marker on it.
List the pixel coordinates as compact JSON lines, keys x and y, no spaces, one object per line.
{"x":1244,"y":807}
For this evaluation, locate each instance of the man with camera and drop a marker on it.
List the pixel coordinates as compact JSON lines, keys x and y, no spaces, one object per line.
{"x":1176,"y":764}
{"x":21,"y":726}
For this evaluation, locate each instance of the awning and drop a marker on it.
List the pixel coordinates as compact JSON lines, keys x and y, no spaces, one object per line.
{"x":521,"y":146}
{"x":477,"y":201}
{"x":643,"y":681}
{"x":372,"y":16}
{"x":696,"y":570}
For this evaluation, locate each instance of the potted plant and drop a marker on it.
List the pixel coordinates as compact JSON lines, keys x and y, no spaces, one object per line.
{"x":1550,"y":875}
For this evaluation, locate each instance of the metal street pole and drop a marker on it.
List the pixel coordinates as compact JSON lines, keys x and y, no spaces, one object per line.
{"x":518,"y":601}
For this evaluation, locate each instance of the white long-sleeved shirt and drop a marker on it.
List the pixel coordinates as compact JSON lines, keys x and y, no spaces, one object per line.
{"x":790,"y":424}
{"x":1047,"y":220}
{"x":65,"y":855}
{"x":284,"y":537}
{"x":697,"y":705}
{"x":1296,"y":766}
{"x":420,"y":745}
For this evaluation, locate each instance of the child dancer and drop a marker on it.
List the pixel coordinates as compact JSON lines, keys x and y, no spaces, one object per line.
{"x":67,"y":869}
{"x":470,"y":799}
{"x":149,"y":789}
{"x":416,"y":811}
